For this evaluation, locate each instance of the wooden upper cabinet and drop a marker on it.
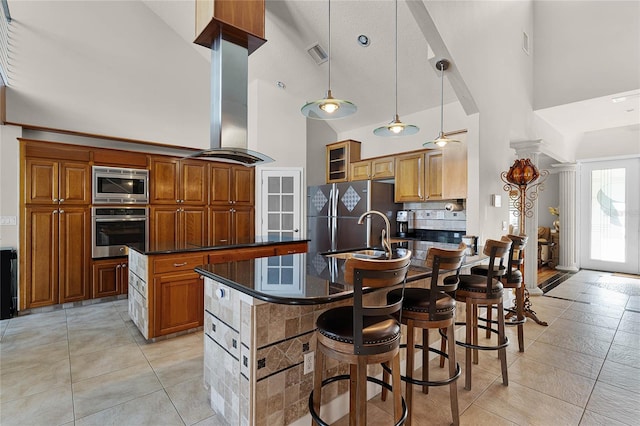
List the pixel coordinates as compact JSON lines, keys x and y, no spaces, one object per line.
{"x":339,"y":157}
{"x":243,"y":185}
{"x":433,"y":174}
{"x":374,"y":168}
{"x":164,"y":178}
{"x":175,"y":181}
{"x":409,"y":173}
{"x":454,"y":172}
{"x":241,"y":22}
{"x":193,"y":182}
{"x":53,"y":182}
{"x":118,"y":158}
{"x":231,"y":184}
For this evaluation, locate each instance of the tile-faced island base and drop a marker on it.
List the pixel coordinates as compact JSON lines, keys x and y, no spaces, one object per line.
{"x":254,"y":357}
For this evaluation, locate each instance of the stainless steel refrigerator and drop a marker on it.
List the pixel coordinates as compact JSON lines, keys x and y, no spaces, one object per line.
{"x":333,"y":211}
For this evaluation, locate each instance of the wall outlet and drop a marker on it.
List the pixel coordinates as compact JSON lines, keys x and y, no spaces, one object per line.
{"x":308,"y":362}
{"x":8,"y":220}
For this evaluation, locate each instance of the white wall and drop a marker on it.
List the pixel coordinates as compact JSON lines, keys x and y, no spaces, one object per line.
{"x":10,"y":186}
{"x":584,"y":50}
{"x":107,"y":68}
{"x":485,"y":39}
{"x":617,"y":142}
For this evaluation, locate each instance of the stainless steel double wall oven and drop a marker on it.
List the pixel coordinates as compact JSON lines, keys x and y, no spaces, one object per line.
{"x":114,"y":225}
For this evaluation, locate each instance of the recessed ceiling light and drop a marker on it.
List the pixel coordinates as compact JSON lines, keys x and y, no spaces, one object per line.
{"x":363,"y":40}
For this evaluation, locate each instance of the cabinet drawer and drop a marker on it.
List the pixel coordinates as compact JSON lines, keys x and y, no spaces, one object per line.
{"x":291,"y":249}
{"x":176,"y":264}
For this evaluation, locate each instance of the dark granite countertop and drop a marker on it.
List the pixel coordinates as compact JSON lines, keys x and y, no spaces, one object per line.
{"x":173,"y":247}
{"x":298,"y":279}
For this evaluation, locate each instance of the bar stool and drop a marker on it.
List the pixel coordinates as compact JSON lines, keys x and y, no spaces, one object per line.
{"x":360,"y":335}
{"x":512,"y":278}
{"x":431,"y":308}
{"x":478,"y":290}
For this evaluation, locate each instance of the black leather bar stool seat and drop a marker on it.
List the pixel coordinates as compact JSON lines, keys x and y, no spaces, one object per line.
{"x":360,"y":335}
{"x":478,"y":290}
{"x":431,"y":308}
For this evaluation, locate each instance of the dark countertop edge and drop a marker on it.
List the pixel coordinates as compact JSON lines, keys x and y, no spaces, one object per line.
{"x":288,"y":300}
{"x":285,"y":300}
{"x":225,"y":247}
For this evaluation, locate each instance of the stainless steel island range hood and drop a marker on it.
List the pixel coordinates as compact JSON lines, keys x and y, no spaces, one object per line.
{"x":229,"y":82}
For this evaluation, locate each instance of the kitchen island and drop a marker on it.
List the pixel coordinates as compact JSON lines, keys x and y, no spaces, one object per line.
{"x":259,"y":333}
{"x":166,"y":295}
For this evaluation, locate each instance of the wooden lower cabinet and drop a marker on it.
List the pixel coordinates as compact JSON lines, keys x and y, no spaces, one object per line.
{"x":55,"y":258}
{"x":231,"y":225}
{"x":178,"y":227}
{"x":178,"y":302}
{"x":109,"y":277}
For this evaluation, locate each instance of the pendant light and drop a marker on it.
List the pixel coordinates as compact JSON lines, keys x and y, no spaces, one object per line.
{"x":396,"y":127}
{"x":328,"y":108}
{"x":441,"y":141}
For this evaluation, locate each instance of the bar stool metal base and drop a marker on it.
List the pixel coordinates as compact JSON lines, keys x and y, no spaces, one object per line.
{"x":413,"y":381}
{"x":316,"y":417}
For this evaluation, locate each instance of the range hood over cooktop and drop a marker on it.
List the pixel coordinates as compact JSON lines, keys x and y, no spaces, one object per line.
{"x":229,"y":82}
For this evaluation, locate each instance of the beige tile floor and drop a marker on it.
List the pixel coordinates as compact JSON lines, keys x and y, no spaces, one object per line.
{"x":90,"y":366}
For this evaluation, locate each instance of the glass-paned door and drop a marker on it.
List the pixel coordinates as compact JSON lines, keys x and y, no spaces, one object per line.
{"x":610,"y":216}
{"x":281,"y":209}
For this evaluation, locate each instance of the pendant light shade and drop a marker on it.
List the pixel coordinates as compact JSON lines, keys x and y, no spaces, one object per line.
{"x":328,"y":108}
{"x":396,"y":127}
{"x":442,"y":140}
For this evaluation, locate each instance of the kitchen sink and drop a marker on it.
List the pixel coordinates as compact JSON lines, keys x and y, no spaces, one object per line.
{"x":360,"y":254}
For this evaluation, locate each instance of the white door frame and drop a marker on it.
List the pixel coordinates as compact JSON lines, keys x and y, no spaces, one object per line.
{"x":261,"y":211}
{"x":631,"y":215}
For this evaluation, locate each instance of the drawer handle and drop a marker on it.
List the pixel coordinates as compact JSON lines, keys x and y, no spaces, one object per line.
{"x":177,"y":265}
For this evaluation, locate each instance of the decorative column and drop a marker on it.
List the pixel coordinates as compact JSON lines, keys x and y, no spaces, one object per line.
{"x":567,"y":207}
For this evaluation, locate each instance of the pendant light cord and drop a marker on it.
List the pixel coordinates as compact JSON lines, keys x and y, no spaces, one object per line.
{"x":329,"y":45}
{"x":442,"y":99}
{"x":396,"y":4}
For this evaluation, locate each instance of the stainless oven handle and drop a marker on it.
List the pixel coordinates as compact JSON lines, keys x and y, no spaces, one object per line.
{"x":123,"y":219}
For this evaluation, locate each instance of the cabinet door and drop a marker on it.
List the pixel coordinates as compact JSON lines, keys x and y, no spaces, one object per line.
{"x":74,"y":254}
{"x":39,"y":266}
{"x":106,"y":276}
{"x":360,"y":170}
{"x":219,"y":225}
{"x":243,"y":186}
{"x":193,"y":223}
{"x":433,"y":173}
{"x":164,"y":228}
{"x":164,"y":178}
{"x":220,"y":183}
{"x":454,"y":172}
{"x":179,"y":302}
{"x":41,"y":181}
{"x":193,"y":182}
{"x":74,"y":183}
{"x":243,"y":226}
{"x":409,"y":172}
{"x":383,"y":168}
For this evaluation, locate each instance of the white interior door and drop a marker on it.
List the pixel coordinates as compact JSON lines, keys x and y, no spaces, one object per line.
{"x":281,"y":218}
{"x":610,"y":215}
{"x":281,"y":203}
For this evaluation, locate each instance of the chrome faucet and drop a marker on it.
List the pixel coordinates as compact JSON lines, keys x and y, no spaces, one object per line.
{"x":386,"y":242}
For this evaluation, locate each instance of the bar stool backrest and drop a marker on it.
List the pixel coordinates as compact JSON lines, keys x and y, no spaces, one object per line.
{"x":516,"y":253}
{"x":363,"y":273}
{"x":443,"y":261}
{"x":495,"y":250}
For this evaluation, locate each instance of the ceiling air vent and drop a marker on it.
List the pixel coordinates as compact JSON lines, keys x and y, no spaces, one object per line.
{"x":318,"y":54}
